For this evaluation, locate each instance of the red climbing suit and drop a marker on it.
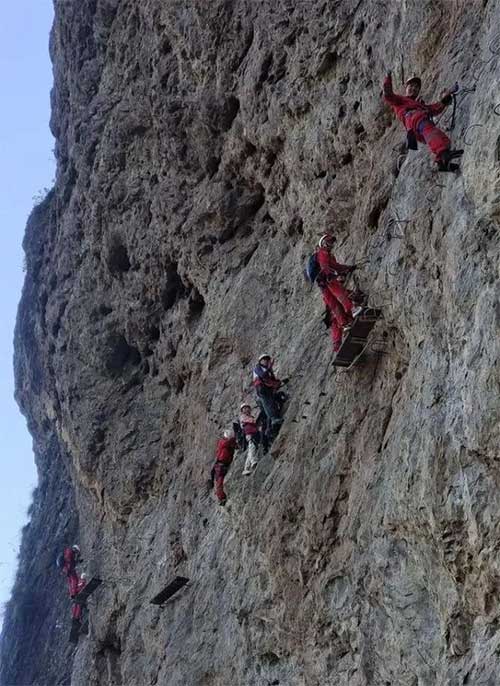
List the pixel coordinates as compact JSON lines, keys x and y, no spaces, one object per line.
{"x":69,"y":570}
{"x":416,"y":117}
{"x":76,"y":609}
{"x":335,"y":296}
{"x":224,"y":454}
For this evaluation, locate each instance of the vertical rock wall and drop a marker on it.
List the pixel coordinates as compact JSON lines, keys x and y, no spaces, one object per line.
{"x":202,"y":148}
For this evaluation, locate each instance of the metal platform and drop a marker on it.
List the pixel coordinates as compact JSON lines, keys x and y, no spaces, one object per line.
{"x":169,"y":591}
{"x":355,"y":343}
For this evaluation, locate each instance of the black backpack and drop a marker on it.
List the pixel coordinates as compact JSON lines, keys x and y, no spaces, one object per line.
{"x":312,"y":269}
{"x":240,"y":436}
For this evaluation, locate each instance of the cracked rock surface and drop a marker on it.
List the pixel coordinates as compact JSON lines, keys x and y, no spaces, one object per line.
{"x":202,"y":149}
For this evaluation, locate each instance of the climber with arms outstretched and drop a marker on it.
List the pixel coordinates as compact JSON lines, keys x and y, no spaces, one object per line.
{"x":417,"y":119}
{"x":338,"y":301}
{"x":224,"y":454}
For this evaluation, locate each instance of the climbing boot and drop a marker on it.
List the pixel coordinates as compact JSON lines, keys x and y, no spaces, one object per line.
{"x":451,"y":154}
{"x":444,"y":161}
{"x":246,"y":472}
{"x":411,"y":141}
{"x":222,"y":502}
{"x":447,"y":167}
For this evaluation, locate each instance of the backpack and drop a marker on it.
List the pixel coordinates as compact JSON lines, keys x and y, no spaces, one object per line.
{"x":312,"y":269}
{"x":240,"y":436}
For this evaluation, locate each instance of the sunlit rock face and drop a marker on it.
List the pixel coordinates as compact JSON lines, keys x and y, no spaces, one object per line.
{"x":203,"y":147}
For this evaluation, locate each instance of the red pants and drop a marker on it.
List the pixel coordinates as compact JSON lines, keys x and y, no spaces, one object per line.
{"x":427,"y":132}
{"x":76,"y":610}
{"x":73,"y":582}
{"x":219,"y":472}
{"x":337,"y":300}
{"x":333,"y":295}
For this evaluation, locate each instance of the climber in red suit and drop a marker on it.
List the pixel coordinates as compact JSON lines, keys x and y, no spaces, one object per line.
{"x":224,"y":455}
{"x":335,"y":296}
{"x":417,"y":119}
{"x":67,"y":562}
{"x":76,"y":609}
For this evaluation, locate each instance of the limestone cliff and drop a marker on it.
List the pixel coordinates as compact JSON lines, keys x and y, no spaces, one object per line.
{"x":202,"y":148}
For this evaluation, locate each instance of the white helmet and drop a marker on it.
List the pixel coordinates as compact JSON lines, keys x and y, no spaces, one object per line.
{"x":245,"y":405}
{"x":261,"y":357}
{"x":75,"y":548}
{"x":327,"y":240}
{"x":228,"y":433}
{"x":83,"y":576}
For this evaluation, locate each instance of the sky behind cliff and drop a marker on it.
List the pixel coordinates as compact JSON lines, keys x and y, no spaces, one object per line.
{"x":26,"y":168}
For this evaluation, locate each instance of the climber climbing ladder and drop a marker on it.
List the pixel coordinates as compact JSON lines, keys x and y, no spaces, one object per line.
{"x":355,"y":343}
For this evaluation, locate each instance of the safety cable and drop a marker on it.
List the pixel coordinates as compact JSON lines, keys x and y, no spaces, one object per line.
{"x":466,"y":130}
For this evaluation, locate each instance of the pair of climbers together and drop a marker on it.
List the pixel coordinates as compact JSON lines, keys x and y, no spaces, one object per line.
{"x":251,"y":434}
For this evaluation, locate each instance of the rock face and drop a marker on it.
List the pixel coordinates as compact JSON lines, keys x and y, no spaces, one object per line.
{"x":202,"y":148}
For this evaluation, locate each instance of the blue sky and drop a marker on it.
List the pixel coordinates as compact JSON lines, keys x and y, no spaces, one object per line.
{"x":26,"y":168}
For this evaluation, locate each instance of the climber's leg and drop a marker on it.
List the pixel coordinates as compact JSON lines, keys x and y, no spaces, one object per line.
{"x":269,"y":407}
{"x":336,"y":334}
{"x":436,"y":139}
{"x":439,"y":143}
{"x":253,"y":455}
{"x":220,"y":471}
{"x":341,"y":294}
{"x":335,"y":307}
{"x":73,"y":583}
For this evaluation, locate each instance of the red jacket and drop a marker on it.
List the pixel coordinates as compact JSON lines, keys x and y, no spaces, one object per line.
{"x":402,"y":104}
{"x":225,"y":450}
{"x":328,"y":264}
{"x":249,"y":424}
